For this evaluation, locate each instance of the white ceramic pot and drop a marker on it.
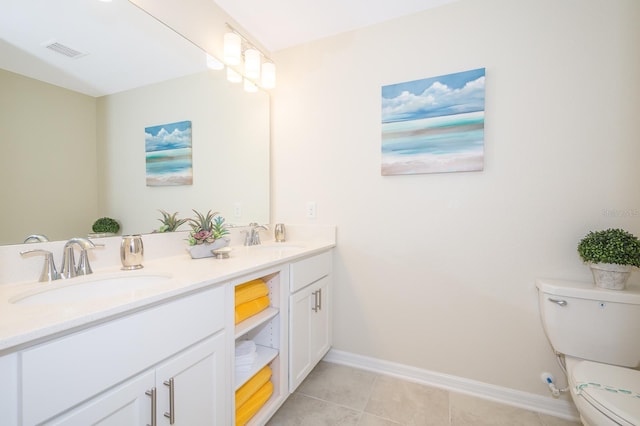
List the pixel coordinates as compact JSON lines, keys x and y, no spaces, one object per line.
{"x":206,"y":250}
{"x":610,"y":275}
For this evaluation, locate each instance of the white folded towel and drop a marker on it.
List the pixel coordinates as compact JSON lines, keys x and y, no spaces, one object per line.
{"x":245,"y":347}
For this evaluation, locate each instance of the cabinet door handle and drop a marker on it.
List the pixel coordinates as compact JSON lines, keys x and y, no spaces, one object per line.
{"x":171,"y":415}
{"x":152,"y":394}
{"x":320,"y":299}
{"x":315,"y":301}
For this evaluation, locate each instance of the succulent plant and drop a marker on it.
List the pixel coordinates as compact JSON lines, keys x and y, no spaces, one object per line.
{"x":206,"y":228}
{"x":170,"y":222}
{"x":610,"y":246}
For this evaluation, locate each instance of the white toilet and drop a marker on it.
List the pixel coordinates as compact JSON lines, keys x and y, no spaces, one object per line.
{"x":598,"y":333}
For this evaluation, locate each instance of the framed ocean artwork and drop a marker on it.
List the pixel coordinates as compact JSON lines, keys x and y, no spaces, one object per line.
{"x":434,"y":125}
{"x":168,"y":154}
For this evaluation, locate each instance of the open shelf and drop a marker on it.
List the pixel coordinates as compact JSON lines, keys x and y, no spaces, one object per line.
{"x":255,"y":321}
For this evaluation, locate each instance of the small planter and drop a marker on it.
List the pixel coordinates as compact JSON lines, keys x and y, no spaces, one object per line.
{"x":610,"y":276}
{"x":200,"y":251}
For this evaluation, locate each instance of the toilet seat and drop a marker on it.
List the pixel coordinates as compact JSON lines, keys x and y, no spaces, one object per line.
{"x":613,"y":391}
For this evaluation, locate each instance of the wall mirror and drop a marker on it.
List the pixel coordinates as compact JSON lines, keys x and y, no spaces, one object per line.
{"x":74,"y":127}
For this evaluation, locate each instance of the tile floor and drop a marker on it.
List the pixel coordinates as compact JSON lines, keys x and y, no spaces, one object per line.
{"x":337,"y":395}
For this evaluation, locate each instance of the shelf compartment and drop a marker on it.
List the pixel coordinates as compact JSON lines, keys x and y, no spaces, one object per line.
{"x":255,"y":321}
{"x":265,"y":356}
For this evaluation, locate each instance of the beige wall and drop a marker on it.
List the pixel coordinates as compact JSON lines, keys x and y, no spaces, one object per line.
{"x":437,"y":271}
{"x":48,"y":160}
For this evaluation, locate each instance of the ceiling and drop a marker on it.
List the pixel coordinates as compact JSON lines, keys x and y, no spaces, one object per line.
{"x":278,"y":24}
{"x":122,"y":47}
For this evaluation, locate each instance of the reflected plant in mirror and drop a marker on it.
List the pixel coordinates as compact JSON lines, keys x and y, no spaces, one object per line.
{"x":170,"y":222}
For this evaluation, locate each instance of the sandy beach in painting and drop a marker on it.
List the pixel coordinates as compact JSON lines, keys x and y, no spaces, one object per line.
{"x":434,"y":145}
{"x":169,"y":167}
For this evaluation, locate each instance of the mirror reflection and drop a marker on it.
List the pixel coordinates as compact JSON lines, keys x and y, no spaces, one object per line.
{"x":73,"y":135}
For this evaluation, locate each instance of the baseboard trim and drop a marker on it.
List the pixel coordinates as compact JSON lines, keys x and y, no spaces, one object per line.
{"x":547,"y":405}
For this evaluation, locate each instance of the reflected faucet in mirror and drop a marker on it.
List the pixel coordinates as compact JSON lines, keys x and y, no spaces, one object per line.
{"x":36,"y":238}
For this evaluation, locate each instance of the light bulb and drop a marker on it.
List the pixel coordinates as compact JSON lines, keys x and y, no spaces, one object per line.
{"x":252,"y":63}
{"x":268,"y":75}
{"x":232,"y":48}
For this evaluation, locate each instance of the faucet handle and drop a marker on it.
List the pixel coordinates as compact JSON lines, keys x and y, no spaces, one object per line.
{"x":49,"y":272}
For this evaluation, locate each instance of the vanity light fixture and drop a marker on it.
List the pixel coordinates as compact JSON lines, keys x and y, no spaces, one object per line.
{"x":213,"y":63}
{"x":268,"y":75}
{"x":249,"y":86}
{"x":232,"y":48}
{"x":252,"y":63}
{"x":258,"y":70}
{"x":233,"y":76}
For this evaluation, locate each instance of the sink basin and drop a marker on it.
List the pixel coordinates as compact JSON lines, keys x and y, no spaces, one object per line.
{"x":85,"y":289}
{"x":278,"y":247}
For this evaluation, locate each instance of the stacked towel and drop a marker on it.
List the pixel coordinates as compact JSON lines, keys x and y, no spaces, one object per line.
{"x":245,"y":355}
{"x":251,"y":290}
{"x":251,"y":396}
{"x":245,"y":391}
{"x":251,"y":298}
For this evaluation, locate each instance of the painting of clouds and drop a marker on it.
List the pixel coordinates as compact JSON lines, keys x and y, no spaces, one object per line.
{"x":168,"y":149}
{"x":434,"y":125}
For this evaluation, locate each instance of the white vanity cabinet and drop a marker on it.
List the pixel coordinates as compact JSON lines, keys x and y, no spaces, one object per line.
{"x":171,"y":358}
{"x":309,"y":315}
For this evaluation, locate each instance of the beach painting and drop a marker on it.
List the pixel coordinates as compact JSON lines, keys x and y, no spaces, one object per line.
{"x":434,"y":125}
{"x":168,"y":154}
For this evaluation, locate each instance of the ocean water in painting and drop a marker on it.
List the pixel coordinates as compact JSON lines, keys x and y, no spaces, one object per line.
{"x":434,"y":125}
{"x":168,"y":154}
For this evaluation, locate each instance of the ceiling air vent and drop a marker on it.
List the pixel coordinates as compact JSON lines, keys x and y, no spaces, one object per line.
{"x":63,"y":50}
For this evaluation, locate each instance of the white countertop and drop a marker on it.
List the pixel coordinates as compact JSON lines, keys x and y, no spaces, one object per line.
{"x":22,"y":325}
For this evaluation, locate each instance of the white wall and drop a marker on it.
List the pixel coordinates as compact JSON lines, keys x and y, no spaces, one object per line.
{"x":437,"y":271}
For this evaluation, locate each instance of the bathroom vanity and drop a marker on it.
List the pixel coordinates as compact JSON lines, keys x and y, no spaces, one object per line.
{"x":162,"y":354}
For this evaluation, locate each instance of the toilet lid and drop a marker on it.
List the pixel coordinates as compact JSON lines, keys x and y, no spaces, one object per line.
{"x":613,"y":390}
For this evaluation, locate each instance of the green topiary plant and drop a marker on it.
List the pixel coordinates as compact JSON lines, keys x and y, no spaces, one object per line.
{"x":610,"y":246}
{"x":106,"y":224}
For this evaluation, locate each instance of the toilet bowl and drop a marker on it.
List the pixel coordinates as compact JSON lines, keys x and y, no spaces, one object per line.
{"x":597,"y":332}
{"x":604,"y":394}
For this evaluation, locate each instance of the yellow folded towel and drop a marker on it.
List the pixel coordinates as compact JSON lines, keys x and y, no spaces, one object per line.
{"x":250,"y":290}
{"x":245,"y":391}
{"x":251,"y":407}
{"x":251,"y":308}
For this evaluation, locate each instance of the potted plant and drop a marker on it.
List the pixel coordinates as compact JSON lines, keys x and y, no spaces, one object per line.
{"x":104,"y":227}
{"x":611,"y":254}
{"x":170,"y":222}
{"x":207,"y":234}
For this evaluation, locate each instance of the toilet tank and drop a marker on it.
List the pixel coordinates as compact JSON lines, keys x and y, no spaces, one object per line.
{"x":587,"y":322}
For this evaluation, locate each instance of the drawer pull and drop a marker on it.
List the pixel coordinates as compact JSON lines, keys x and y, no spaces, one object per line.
{"x":315,"y":301}
{"x":171,"y":415}
{"x":152,"y":394}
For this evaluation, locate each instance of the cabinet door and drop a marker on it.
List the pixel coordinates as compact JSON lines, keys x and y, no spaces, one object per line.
{"x":309,"y":329}
{"x":125,"y":405}
{"x":191,"y":386}
{"x":321,"y":321}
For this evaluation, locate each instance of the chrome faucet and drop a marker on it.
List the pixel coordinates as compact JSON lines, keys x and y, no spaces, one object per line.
{"x":49,"y":272}
{"x":253,"y":234}
{"x":36,"y":238}
{"x":69,"y":268}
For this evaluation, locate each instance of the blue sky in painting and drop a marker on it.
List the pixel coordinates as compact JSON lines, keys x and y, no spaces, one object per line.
{"x":168,"y":136}
{"x":449,"y":94}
